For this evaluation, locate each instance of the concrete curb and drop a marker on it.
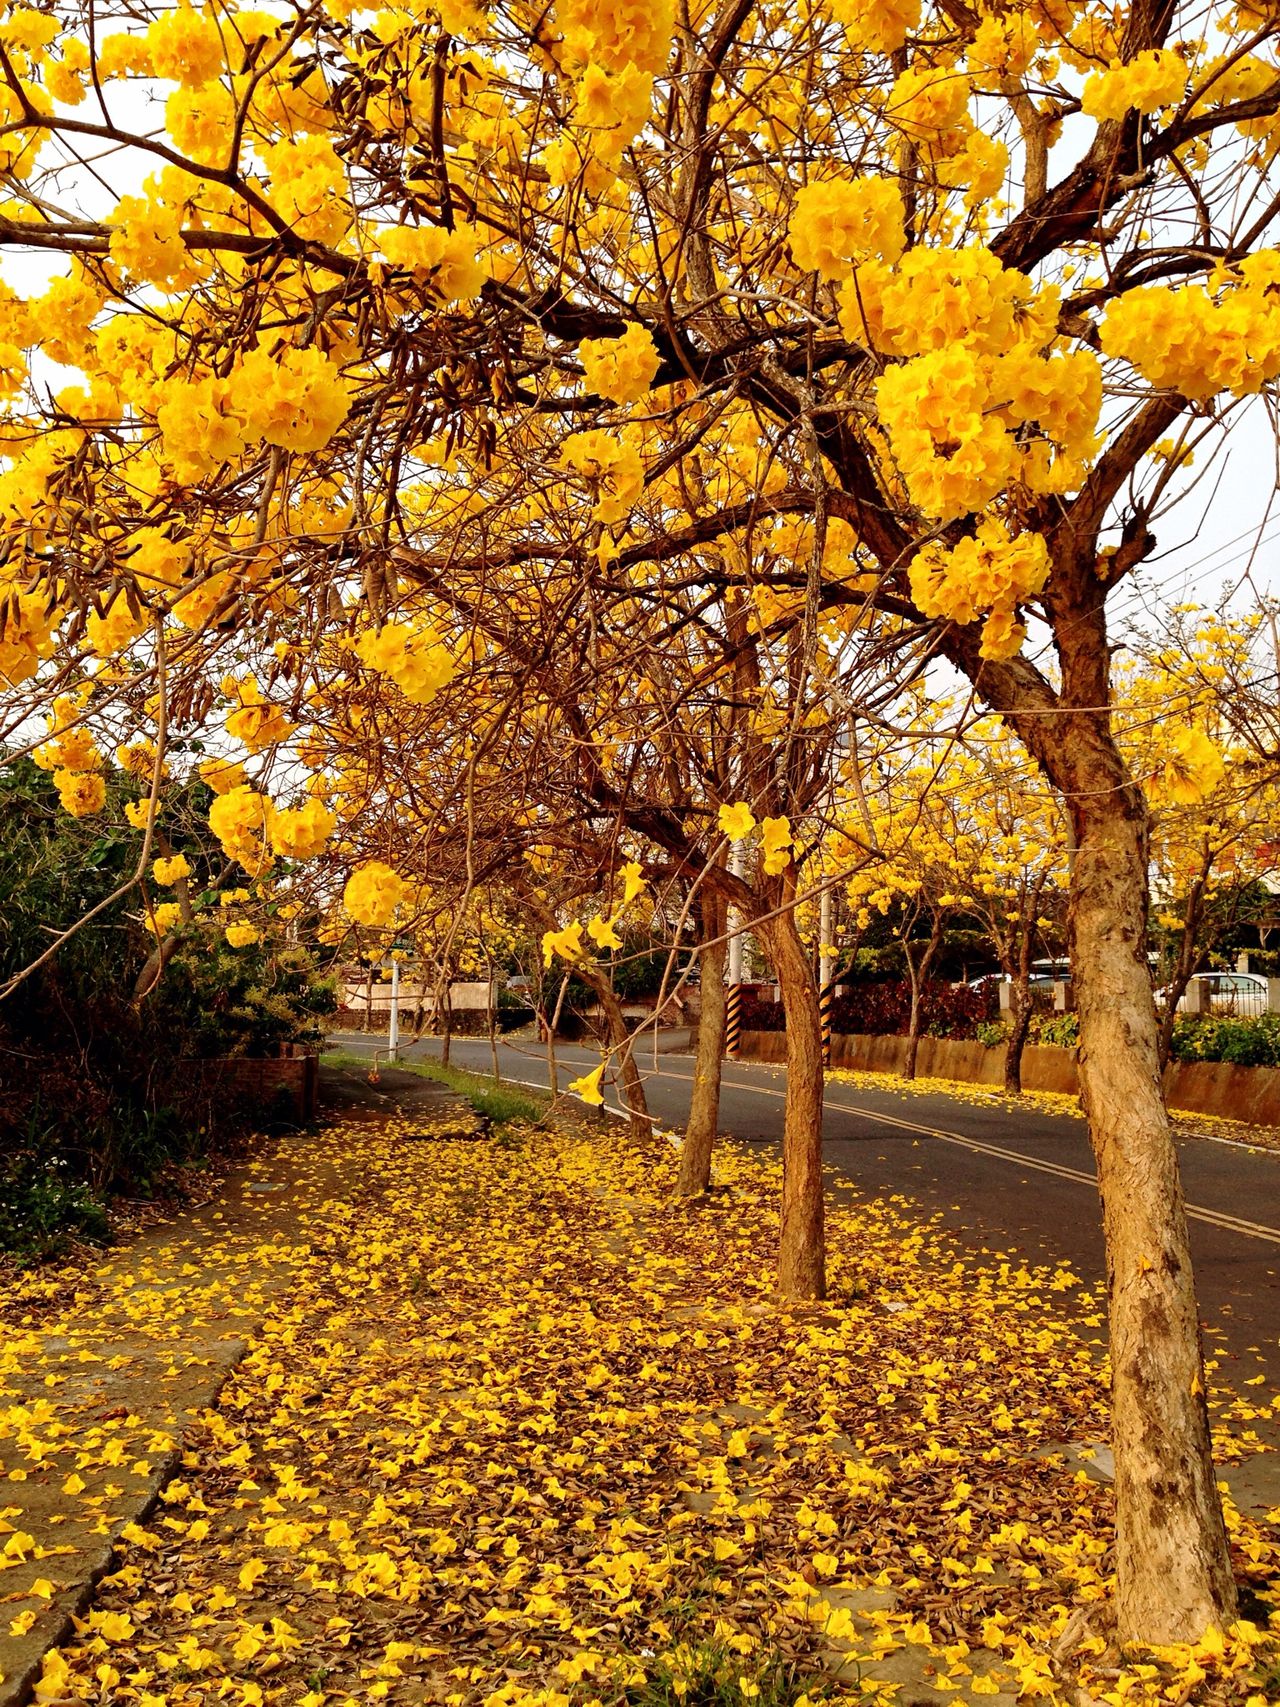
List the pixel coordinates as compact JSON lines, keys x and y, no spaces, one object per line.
{"x":56,"y":1624}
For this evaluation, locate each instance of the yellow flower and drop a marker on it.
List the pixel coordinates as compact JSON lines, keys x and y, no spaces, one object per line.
{"x":737,"y":821}
{"x":566,"y":943}
{"x":163,"y":918}
{"x":223,"y":775}
{"x":301,"y":832}
{"x":240,"y":936}
{"x":776,"y":842}
{"x":836,"y":222}
{"x":81,"y":792}
{"x":621,"y":369}
{"x":1193,"y":767}
{"x":633,"y":881}
{"x":613,"y":464}
{"x":256,"y":721}
{"x":373,"y":892}
{"x":602,"y":933}
{"x":445,"y":260}
{"x":588,"y":1087}
{"x":170,"y":871}
{"x":1143,"y":84}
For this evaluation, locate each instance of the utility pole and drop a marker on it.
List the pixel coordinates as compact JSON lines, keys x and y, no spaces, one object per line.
{"x":393,"y":1030}
{"x":733,"y":996}
{"x":826,"y":972}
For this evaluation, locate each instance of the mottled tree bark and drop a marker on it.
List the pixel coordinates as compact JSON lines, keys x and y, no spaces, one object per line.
{"x":704,"y":1104}
{"x":1173,"y":1569}
{"x":801,"y":1250}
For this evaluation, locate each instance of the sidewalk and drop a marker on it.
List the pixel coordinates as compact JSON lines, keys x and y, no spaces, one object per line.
{"x":513,"y":1427}
{"x":96,"y":1400}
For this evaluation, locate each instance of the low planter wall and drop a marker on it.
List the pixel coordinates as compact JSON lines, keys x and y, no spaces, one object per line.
{"x":282,"y":1086}
{"x":1200,"y":1087}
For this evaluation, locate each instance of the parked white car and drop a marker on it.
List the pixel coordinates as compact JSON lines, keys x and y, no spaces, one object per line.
{"x":1243,"y":994}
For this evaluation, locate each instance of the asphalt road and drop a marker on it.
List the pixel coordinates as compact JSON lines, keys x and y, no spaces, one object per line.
{"x":1009,"y":1179}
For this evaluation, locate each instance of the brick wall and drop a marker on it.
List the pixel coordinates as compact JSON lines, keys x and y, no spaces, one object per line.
{"x":283,"y":1086}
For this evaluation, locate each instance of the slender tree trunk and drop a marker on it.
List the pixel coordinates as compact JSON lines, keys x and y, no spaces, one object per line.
{"x":919,"y":971}
{"x":704,"y":1104}
{"x":446,"y":1041}
{"x":619,"y":1041}
{"x":913,"y":1025}
{"x":1173,"y":1569}
{"x":801,"y":1249}
{"x":368,"y":1000}
{"x":552,"y":1075}
{"x":1017,"y":1042}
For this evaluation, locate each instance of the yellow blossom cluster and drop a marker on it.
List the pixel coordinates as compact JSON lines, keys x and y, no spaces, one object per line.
{"x":877,"y":26}
{"x":446,"y":260}
{"x":986,"y":574}
{"x":1197,"y":341}
{"x":616,"y":48}
{"x":836,"y":222}
{"x":242,"y":934}
{"x":612,"y":464}
{"x":162,"y":919}
{"x":295,"y":400}
{"x":957,"y":423}
{"x":1144,"y":84}
{"x":373,"y":892}
{"x":300,"y":832}
{"x":117,"y":627}
{"x":26,"y":631}
{"x":417,"y":661}
{"x":621,"y":369}
{"x":240,"y":819}
{"x":1191,"y":768}
{"x":184,"y":45}
{"x":171,"y":870}
{"x":256,"y":720}
{"x":938,"y":297}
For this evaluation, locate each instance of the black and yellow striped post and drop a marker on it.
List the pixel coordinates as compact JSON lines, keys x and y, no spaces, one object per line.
{"x":733,"y":1019}
{"x":826,"y":997}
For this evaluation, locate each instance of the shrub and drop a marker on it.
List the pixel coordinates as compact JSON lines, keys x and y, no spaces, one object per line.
{"x":98,"y":1091}
{"x":991,"y":1033}
{"x":1060,"y":1029}
{"x":1243,"y":1042}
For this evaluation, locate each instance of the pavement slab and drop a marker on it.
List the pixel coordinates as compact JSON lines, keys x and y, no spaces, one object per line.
{"x":95,"y":1403}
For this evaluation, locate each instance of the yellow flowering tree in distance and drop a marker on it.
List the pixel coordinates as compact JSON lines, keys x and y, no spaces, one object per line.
{"x":345,"y":350}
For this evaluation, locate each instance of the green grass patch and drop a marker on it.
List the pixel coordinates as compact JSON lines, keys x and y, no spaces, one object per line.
{"x":501,"y":1103}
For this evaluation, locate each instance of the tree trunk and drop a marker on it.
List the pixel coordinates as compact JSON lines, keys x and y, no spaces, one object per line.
{"x":1017,"y":1036}
{"x":446,"y":1041}
{"x":704,"y":1104}
{"x":913,"y":1027}
{"x":368,"y":1001}
{"x":1172,"y":1565}
{"x":801,"y":1249}
{"x":619,"y":1041}
{"x":919,"y":971}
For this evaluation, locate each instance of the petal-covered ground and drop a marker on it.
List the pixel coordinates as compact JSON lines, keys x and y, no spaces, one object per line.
{"x":518,"y":1425}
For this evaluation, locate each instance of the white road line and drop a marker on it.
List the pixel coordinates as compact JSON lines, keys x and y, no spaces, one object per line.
{"x":1212,"y":1217}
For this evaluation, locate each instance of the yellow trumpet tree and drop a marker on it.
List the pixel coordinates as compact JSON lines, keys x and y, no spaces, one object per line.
{"x":374,"y":341}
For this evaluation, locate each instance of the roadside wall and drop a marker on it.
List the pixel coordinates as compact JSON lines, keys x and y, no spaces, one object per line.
{"x":280,"y":1085}
{"x":1199,"y":1087}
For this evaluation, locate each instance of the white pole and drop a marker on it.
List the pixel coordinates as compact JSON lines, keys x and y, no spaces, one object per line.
{"x":735,"y":921}
{"x":393,"y":1035}
{"x":733,"y":995}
